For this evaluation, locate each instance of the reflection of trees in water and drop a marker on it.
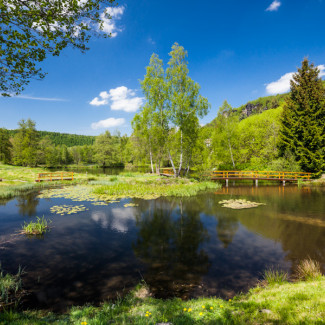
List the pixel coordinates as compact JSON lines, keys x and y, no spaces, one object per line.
{"x":169,"y":243}
{"x":27,"y":204}
{"x":226,"y":229}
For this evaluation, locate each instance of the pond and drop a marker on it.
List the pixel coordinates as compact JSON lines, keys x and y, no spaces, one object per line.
{"x":185,"y":247}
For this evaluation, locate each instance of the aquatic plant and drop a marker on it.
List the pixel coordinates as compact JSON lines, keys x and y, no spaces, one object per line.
{"x":67,"y":209}
{"x":308,"y":269}
{"x":239,"y":204}
{"x":146,"y":190}
{"x":38,"y":227}
{"x":10,"y":288}
{"x":273,"y":276}
{"x":130,"y":205}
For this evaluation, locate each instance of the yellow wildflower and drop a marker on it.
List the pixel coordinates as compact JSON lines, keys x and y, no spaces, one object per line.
{"x":146,"y":315}
{"x":201,"y":314}
{"x":189,"y":310}
{"x":185,"y":309}
{"x":221,"y":306}
{"x":83,"y":323}
{"x":230,"y":300}
{"x":203,"y":307}
{"x":211,"y":308}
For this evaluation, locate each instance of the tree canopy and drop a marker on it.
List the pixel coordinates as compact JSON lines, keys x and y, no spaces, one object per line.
{"x":33,"y":29}
{"x":303,"y":130}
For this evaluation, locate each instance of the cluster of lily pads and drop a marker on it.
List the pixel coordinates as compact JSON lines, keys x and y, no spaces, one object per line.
{"x":76,"y":194}
{"x":239,"y":204}
{"x":67,"y":209}
{"x":131,"y":205}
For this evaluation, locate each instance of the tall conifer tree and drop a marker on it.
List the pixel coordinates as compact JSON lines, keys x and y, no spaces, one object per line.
{"x":303,"y":120}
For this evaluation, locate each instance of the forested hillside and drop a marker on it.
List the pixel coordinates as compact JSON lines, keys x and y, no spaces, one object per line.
{"x":69,"y":140}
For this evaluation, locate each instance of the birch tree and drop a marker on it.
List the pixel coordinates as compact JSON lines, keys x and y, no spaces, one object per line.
{"x":185,"y":104}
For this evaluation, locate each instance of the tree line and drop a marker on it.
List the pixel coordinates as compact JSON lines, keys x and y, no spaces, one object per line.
{"x":27,"y":148}
{"x":290,"y":135}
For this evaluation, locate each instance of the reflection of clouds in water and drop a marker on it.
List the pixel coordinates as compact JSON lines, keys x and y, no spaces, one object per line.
{"x":117,"y":218}
{"x":101,"y":218}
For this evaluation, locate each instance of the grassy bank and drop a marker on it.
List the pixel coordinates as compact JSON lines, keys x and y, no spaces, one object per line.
{"x":19,"y":180}
{"x":152,"y":187}
{"x":287,"y":303}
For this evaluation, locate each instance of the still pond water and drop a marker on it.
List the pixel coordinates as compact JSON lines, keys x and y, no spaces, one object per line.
{"x":186,"y":247}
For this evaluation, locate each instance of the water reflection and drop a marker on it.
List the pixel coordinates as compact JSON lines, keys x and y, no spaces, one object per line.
{"x":170,"y":244}
{"x":182,"y":247}
{"x":27,"y":204}
{"x":117,"y":219}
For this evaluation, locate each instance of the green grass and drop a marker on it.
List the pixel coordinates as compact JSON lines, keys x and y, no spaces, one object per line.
{"x":288,"y":303}
{"x":10,"y":288}
{"x":273,"y":276}
{"x":152,"y":187}
{"x":38,"y":227}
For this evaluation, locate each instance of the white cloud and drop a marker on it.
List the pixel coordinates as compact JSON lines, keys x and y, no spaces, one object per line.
{"x":283,"y":84}
{"x":274,"y":6}
{"x":109,"y":17}
{"x":322,"y":70}
{"x":41,"y":98}
{"x":120,"y":98}
{"x":280,"y":86}
{"x":108,"y":123}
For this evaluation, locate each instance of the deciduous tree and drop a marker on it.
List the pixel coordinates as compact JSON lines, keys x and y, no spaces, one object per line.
{"x":33,"y":29}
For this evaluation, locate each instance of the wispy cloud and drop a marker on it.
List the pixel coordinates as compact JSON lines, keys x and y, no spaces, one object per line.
{"x":109,"y":23}
{"x":120,"y":98}
{"x":282,"y":85}
{"x":108,"y":123}
{"x":274,"y":6}
{"x":41,"y":98}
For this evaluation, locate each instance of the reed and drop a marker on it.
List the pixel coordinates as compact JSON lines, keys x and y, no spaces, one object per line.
{"x":273,"y":276}
{"x":38,"y":227}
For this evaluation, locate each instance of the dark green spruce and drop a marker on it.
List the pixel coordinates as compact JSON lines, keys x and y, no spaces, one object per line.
{"x":303,"y":131}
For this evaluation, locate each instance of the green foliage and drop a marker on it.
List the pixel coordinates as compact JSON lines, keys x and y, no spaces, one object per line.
{"x":5,"y":146}
{"x":225,"y":135}
{"x":38,"y":227}
{"x":25,"y":144}
{"x":303,"y":129}
{"x":35,"y":29}
{"x":57,"y":138}
{"x":10,"y":287}
{"x":107,"y":149}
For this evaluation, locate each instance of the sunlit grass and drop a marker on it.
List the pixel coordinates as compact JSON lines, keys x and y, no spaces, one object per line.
{"x":273,"y":276}
{"x":288,"y":303}
{"x":38,"y":227}
{"x":152,"y":189}
{"x":308,"y":269}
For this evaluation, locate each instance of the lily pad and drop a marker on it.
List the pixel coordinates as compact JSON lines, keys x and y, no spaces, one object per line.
{"x":239,"y":204}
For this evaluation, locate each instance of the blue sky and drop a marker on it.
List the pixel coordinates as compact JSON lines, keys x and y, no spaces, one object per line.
{"x":238,"y":50}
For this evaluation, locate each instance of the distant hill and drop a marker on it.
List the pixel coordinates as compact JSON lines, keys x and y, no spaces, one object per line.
{"x":256,"y":106}
{"x":67,"y":139}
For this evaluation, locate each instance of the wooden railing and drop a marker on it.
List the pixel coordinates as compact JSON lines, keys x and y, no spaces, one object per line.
{"x":57,"y":176}
{"x":167,"y":171}
{"x":267,"y":175}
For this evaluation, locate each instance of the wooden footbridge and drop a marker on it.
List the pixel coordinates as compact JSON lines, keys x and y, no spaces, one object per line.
{"x":251,"y":175}
{"x":57,"y":176}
